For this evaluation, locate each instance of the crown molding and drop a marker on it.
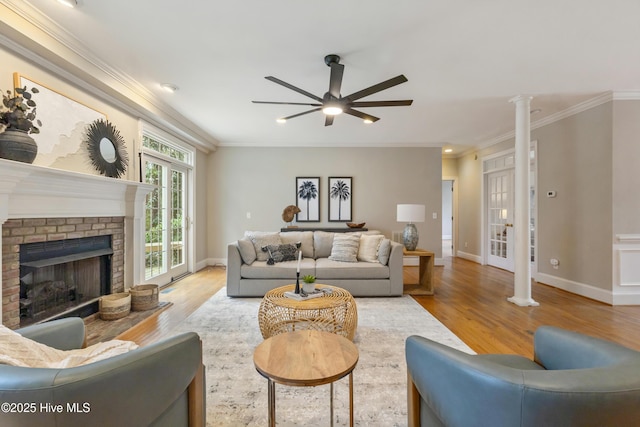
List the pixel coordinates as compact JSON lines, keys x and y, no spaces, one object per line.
{"x":560,"y":115}
{"x":78,"y":65}
{"x":626,"y":96}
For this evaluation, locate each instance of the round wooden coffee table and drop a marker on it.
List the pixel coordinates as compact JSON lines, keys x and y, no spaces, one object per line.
{"x":333,"y":312}
{"x":306,"y":359}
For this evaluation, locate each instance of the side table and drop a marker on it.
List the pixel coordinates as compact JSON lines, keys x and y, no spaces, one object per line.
{"x":425,"y":276}
{"x":306,"y":359}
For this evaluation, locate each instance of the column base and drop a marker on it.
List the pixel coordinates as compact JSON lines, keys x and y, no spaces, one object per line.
{"x":523,"y":302}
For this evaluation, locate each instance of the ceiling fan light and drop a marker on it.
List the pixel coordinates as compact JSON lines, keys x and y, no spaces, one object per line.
{"x":332,"y":110}
{"x":281,"y":120}
{"x":368,"y":121}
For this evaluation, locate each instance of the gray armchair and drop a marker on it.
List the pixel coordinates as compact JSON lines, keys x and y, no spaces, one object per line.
{"x":574,"y":380}
{"x":161,"y":384}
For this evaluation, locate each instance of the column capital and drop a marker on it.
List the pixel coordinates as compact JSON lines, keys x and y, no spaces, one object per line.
{"x":520,"y":98}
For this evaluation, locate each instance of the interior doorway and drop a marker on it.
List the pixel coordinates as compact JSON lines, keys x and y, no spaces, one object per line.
{"x":447,"y":217}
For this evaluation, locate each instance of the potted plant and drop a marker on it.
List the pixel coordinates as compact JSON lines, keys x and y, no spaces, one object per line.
{"x":17,"y":117}
{"x":309,"y":285}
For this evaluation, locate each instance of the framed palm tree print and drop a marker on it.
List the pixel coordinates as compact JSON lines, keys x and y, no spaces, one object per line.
{"x":308,"y":199}
{"x":340,"y":196}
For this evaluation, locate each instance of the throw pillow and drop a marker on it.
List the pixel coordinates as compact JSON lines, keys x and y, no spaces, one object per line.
{"x":322,"y":243}
{"x":247,"y":251}
{"x":260,"y":239}
{"x":280,"y":253}
{"x":345,"y":248}
{"x":368,"y":249}
{"x":384,"y":251}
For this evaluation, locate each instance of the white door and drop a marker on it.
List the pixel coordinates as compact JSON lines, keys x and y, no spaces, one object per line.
{"x":166,"y":222}
{"x":500,"y":219}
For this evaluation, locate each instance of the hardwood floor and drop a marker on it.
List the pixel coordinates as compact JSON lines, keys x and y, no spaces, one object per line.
{"x":470,"y":299}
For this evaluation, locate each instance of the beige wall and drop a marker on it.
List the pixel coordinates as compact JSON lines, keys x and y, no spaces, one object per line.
{"x":575,"y":160}
{"x":262,"y":181}
{"x":126,"y":124}
{"x":626,"y":167}
{"x":79,"y":162}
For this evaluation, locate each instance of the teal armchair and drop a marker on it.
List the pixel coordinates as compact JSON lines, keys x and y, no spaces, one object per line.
{"x":574,"y":380}
{"x":161,"y":384}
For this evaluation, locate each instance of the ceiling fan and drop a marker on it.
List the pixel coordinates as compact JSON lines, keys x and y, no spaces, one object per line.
{"x":333,"y":103}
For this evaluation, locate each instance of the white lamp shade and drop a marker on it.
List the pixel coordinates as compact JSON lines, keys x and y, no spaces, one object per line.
{"x":410,"y":213}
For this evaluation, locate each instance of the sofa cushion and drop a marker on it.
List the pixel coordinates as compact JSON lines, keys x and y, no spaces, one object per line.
{"x":384,"y":251}
{"x":368,"y":249}
{"x":304,"y":237}
{"x":322,"y":243}
{"x":282,"y":270}
{"x":260,"y":239}
{"x":328,"y":269}
{"x":280,"y":253}
{"x":247,"y":251}
{"x":345,"y":248}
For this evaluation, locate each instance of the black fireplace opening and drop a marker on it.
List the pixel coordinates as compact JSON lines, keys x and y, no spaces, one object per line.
{"x":63,"y":278}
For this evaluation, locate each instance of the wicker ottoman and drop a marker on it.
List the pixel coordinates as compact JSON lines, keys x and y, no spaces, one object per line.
{"x":335,"y":312}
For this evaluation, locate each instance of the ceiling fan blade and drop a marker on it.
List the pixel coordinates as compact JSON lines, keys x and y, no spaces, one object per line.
{"x":335,"y":81}
{"x":301,"y":114}
{"x":361,"y":115}
{"x":287,"y":103}
{"x":328,"y":121}
{"x":296,"y":89}
{"x":402,"y":103}
{"x":377,"y":88}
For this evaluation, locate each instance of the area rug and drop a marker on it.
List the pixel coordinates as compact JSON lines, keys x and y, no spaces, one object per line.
{"x":237,"y":393}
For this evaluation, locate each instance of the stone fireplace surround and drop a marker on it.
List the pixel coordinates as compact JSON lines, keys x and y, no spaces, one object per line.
{"x":39,"y":203}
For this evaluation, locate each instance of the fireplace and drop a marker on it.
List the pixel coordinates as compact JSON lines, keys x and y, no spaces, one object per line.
{"x":40,"y":205}
{"x":63,"y":278}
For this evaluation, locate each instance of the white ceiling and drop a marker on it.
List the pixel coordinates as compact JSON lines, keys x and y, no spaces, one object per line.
{"x":464,"y":61}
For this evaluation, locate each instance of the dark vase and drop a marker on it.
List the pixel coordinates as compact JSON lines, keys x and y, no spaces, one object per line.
{"x":17,"y":145}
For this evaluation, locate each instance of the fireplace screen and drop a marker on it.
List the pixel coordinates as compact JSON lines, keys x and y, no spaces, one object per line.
{"x":60,"y":277}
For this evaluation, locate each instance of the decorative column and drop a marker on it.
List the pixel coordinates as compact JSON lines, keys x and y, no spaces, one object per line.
{"x":522,"y":213}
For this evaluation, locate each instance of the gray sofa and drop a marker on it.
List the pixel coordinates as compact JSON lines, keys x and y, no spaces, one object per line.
{"x":247,"y":277}
{"x":161,"y":384}
{"x":574,"y":380}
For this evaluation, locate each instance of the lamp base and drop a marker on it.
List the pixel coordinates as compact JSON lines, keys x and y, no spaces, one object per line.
{"x":410,"y":237}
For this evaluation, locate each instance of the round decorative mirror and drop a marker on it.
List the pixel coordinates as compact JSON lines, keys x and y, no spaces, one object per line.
{"x":106,"y":147}
{"x":107,"y":150}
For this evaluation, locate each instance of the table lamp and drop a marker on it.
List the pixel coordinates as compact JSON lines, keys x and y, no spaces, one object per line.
{"x":410,"y":214}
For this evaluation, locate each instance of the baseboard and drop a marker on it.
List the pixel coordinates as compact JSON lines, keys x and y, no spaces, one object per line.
{"x":577,"y":288}
{"x":213,"y":262}
{"x":470,"y":257}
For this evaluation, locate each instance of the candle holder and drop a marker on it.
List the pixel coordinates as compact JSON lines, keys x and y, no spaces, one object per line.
{"x":297,"y":291}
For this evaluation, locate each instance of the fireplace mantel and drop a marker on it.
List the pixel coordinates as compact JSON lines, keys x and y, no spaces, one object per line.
{"x":29,"y":191}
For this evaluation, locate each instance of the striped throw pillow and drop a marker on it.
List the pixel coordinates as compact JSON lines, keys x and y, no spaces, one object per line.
{"x":345,"y":248}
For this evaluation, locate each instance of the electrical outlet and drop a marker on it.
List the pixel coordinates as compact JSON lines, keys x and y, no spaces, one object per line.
{"x":248,"y":215}
{"x":435,"y":215}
